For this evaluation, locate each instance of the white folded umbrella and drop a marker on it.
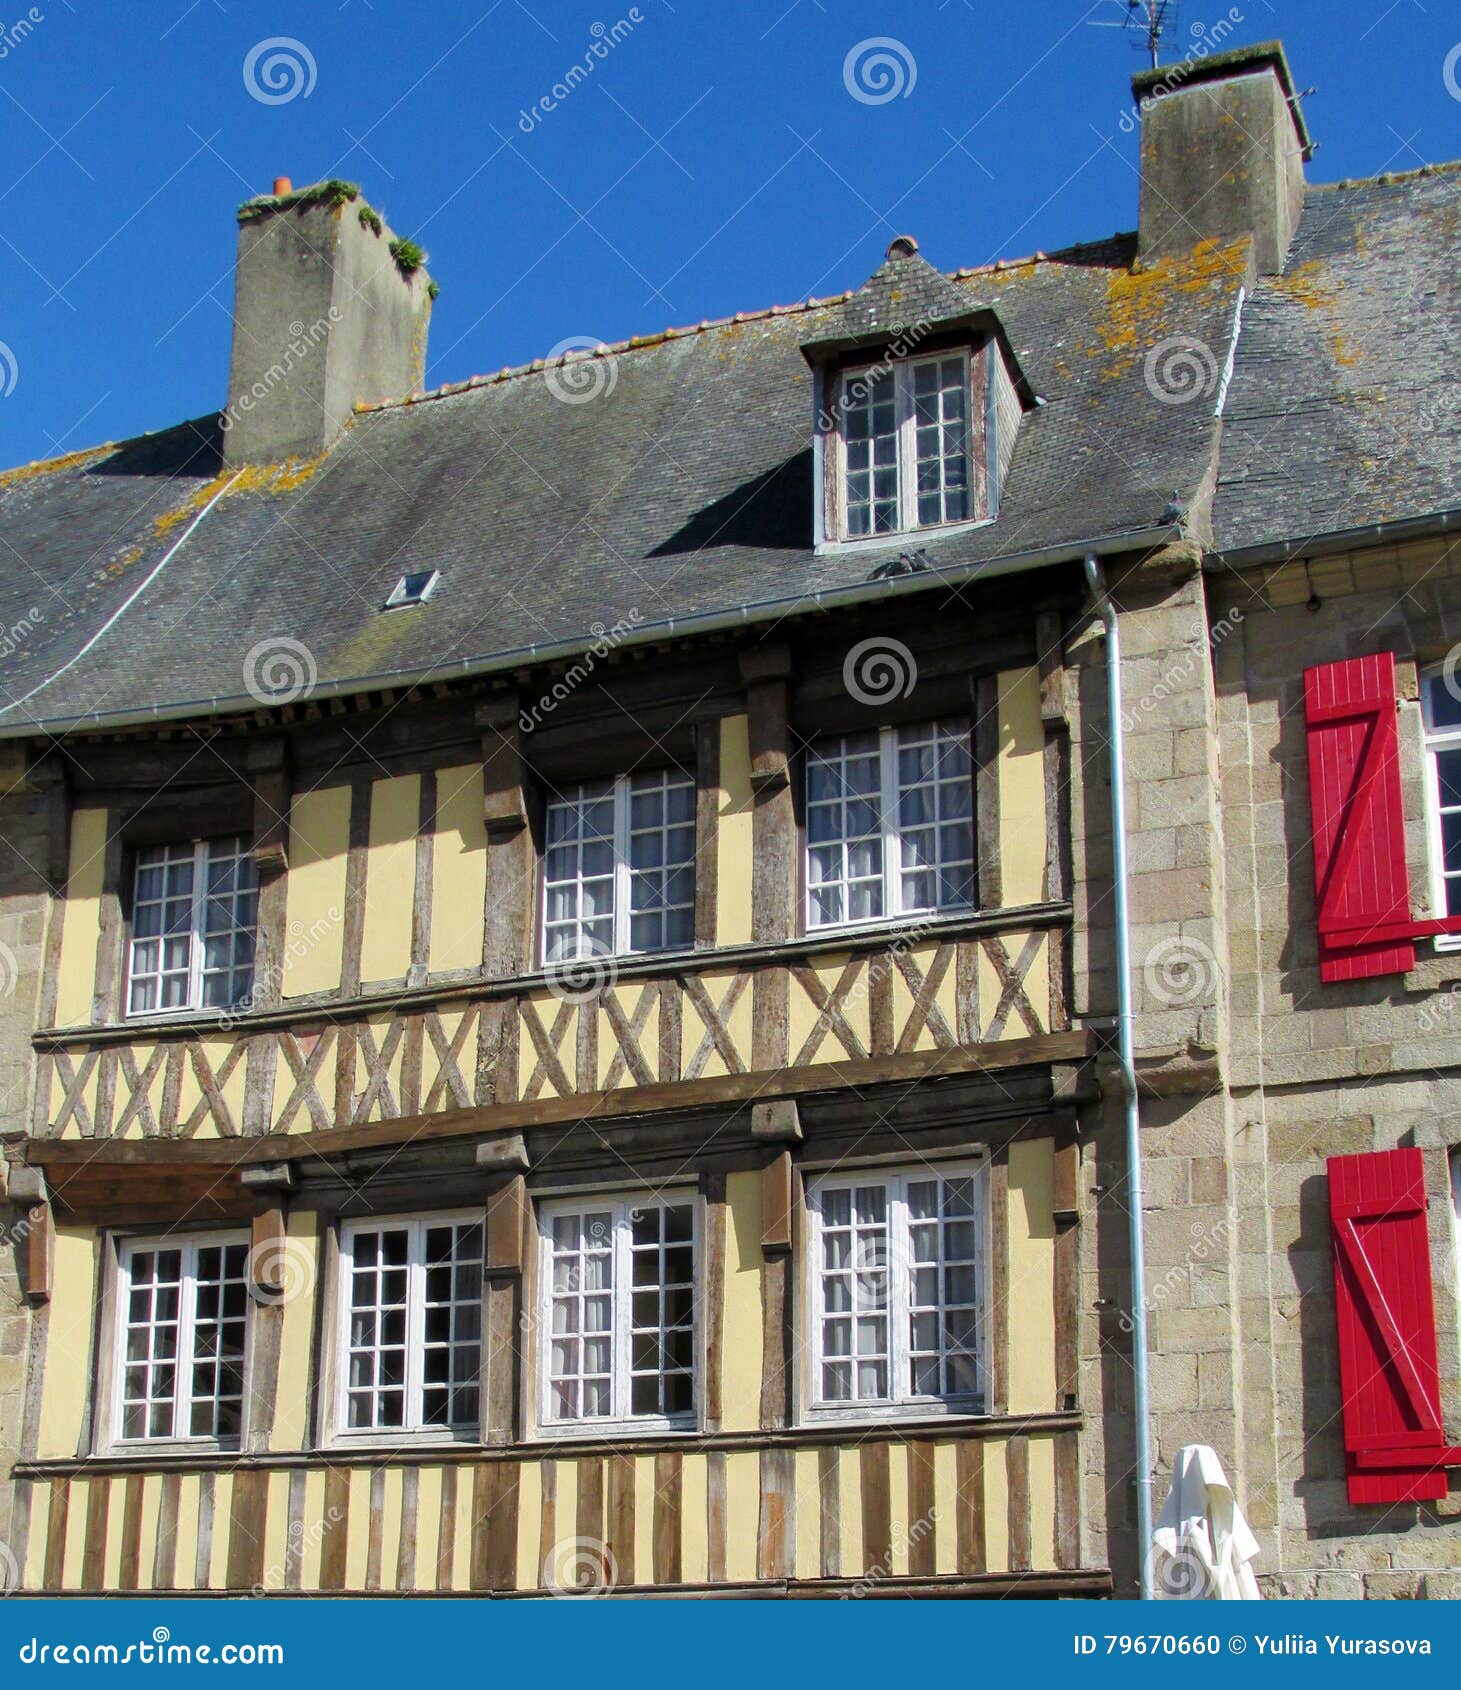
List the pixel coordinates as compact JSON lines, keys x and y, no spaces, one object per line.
{"x":1201,"y":1544}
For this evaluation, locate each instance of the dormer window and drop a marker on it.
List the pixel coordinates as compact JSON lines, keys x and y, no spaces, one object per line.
{"x":902,"y":437}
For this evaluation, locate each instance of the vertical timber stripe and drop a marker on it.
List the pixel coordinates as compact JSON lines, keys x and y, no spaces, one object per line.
{"x":248,"y":1507}
{"x":335,"y":1528}
{"x":56,"y":1520}
{"x":165,"y":1554}
{"x":406,"y":1549}
{"x":447,"y":1535}
{"x":494,"y":1526}
{"x":877,"y":1519}
{"x":294,"y":1539}
{"x":422,"y":890}
{"x":999,"y":1269}
{"x":590,"y":1517}
{"x":619,"y":1537}
{"x":827,"y":1476}
{"x":1067,"y":1500}
{"x":1017,"y":1465}
{"x":969,"y":1503}
{"x":776,"y":1535}
{"x":547,"y":1520}
{"x":713,"y":1187}
{"x":203,"y":1553}
{"x":922,"y":1512}
{"x":715,"y":1515}
{"x":357,"y":859}
{"x":93,"y":1561}
{"x":986,"y":792}
{"x":668,"y":1514}
{"x":373,"y":1544}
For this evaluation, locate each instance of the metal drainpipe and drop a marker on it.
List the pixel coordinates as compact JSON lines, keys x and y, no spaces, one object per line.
{"x":1125,"y":1044}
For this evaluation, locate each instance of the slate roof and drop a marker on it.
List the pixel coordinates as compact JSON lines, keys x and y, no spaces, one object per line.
{"x":1344,"y":407}
{"x":682,"y":488}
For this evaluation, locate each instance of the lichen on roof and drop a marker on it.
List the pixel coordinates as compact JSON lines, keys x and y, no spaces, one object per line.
{"x":53,"y":466}
{"x":273,"y":479}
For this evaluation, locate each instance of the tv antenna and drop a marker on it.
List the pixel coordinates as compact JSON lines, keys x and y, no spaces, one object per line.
{"x":1152,"y":21}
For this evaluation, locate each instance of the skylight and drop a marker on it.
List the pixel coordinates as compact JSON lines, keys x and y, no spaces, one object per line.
{"x":411,"y":589}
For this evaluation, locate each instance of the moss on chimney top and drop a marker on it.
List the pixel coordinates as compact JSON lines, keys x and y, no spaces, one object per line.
{"x":333,"y":193}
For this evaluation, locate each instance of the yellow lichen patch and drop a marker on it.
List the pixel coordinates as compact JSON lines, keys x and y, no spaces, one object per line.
{"x":52,"y":466}
{"x":1139,"y":301}
{"x":1315,"y":286}
{"x":255,"y":478}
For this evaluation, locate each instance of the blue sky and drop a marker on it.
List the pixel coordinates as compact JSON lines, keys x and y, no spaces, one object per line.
{"x":716,"y":160}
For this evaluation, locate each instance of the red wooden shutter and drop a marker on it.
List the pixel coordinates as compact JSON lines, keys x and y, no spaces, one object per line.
{"x":1395,"y":1448}
{"x":1361,"y":888}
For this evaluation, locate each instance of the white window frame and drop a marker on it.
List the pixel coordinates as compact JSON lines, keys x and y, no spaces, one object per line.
{"x":1454,"y":1165}
{"x":414,"y":1428}
{"x":197,"y":938}
{"x":892,"y":835}
{"x":622,"y":795}
{"x":126,"y":1246}
{"x":618,"y":1423}
{"x":901,"y":369}
{"x":900,"y":1403}
{"x":1436,"y":739}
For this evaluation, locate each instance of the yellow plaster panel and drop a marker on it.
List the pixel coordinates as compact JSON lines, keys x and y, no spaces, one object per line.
{"x":558,"y":1565}
{"x":733,"y":834}
{"x":390,"y":877}
{"x":946,"y":1509}
{"x":1021,"y":788}
{"x":276,"y":1532}
{"x":319,"y":839}
{"x":741,"y":1320}
{"x":185,"y":1541}
{"x":33,"y":1573}
{"x":222,"y":1522}
{"x":458,"y":870}
{"x":362,"y":1524}
{"x":66,"y":1382}
{"x":312,"y":1545}
{"x":291,"y":1428}
{"x":694,"y":1521}
{"x":76,"y":1509}
{"x":849,"y":1510}
{"x":428,"y":1526}
{"x":808,"y":1515}
{"x":742,"y":1514}
{"x":76,"y":977}
{"x":147,"y":1538}
{"x":530,"y":1523}
{"x":111,"y":1577}
{"x":1042,"y":1504}
{"x":898,"y":1507}
{"x":645,"y":1494}
{"x":996,"y":1506}
{"x":1031,"y":1276}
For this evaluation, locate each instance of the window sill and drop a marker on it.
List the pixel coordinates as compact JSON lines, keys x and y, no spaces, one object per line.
{"x":899,"y":539}
{"x":168,"y":1449}
{"x":641,"y":1426}
{"x":911,"y":926}
{"x":397,"y":1437}
{"x":885,"y":1413}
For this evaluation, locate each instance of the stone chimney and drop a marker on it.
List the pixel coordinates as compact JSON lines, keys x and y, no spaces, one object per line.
{"x":329,"y":309}
{"x":1223,"y":144}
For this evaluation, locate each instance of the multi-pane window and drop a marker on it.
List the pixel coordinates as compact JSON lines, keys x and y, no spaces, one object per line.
{"x":1441,"y":697}
{"x":890,"y":824}
{"x":412,"y":1314}
{"x":619,"y":870}
{"x":897,"y":1272}
{"x":182,"y":1334}
{"x":904,"y":440}
{"x":618,"y":1303}
{"x":194,"y":910}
